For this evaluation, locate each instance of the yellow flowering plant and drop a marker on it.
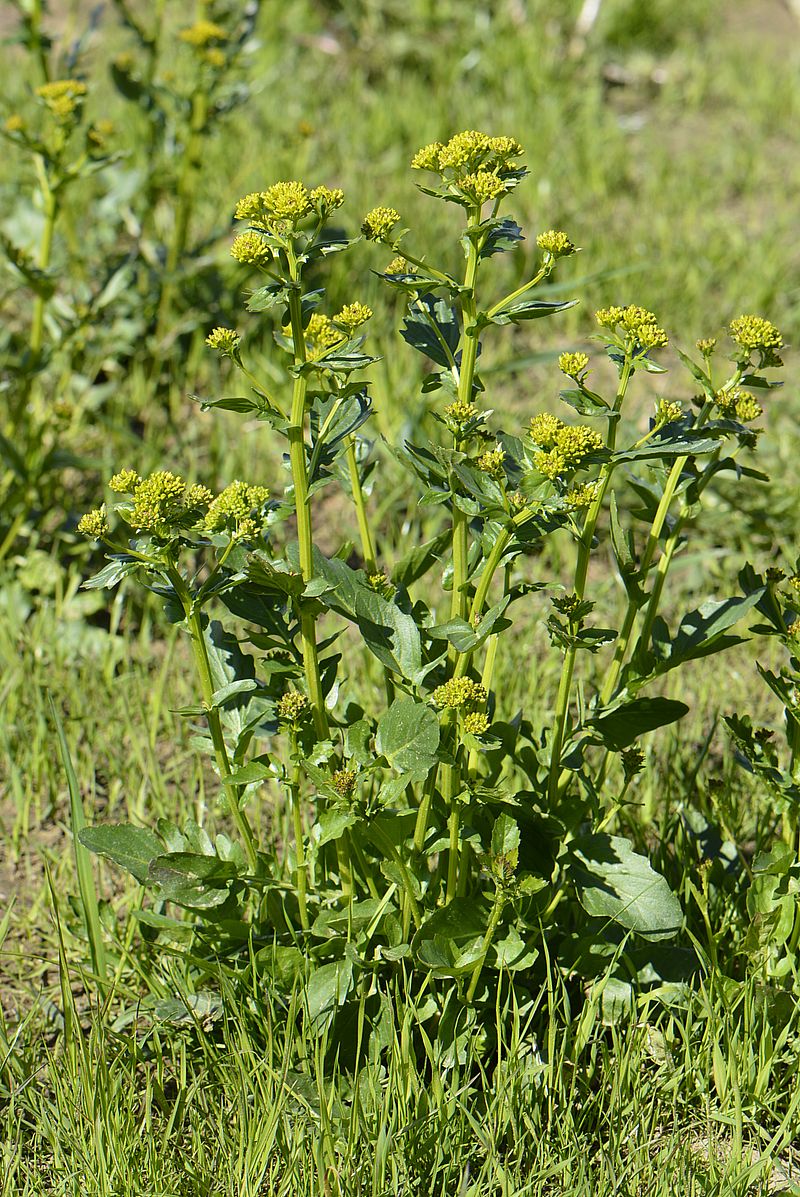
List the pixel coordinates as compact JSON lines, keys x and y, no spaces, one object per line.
{"x":433,"y":827}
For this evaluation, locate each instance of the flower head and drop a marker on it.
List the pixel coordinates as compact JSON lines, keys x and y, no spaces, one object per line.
{"x":380,"y":223}
{"x":352,"y":316}
{"x":326,"y":199}
{"x":125,"y":482}
{"x":570,"y":447}
{"x":476,"y":723}
{"x":158,"y":505}
{"x":291,"y":706}
{"x":94,"y":524}
{"x":397,"y":266}
{"x":63,"y":97}
{"x":461,"y":411}
{"x":288,"y":200}
{"x":224,"y":340}
{"x":555,"y":243}
{"x":344,"y":781}
{"x":581,"y":497}
{"x":428,"y":157}
{"x":668,"y":411}
{"x":482,"y":186}
{"x":491,"y":462}
{"x":738,"y":405}
{"x":574,"y":365}
{"x":706,"y":345}
{"x":544,"y":430}
{"x":754,"y":332}
{"x":321,"y":334}
{"x":202,"y":33}
{"x":237,"y":509}
{"x":460,"y":692}
{"x":251,"y":249}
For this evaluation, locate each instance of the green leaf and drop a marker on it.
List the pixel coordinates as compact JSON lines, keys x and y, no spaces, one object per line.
{"x":192,"y":879}
{"x":624,"y":725}
{"x":505,"y":235}
{"x":112,"y":574}
{"x":327,"y":989}
{"x":530,"y":309}
{"x":505,"y":836}
{"x":432,"y":328}
{"x":331,"y":824}
{"x":408,"y":736}
{"x":391,"y":634}
{"x":614,"y":882}
{"x":133,"y":848}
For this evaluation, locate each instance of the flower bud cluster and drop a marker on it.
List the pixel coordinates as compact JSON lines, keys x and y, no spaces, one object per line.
{"x":352,"y":316}
{"x":224,"y":340}
{"x":237,"y":509}
{"x":754,"y":332}
{"x":291,"y":706}
{"x":565,"y":447}
{"x":738,"y":405}
{"x":475,"y":165}
{"x":202,"y":34}
{"x":379,"y":224}
{"x":574,"y":365}
{"x":491,"y":462}
{"x":460,"y":692}
{"x":637,"y":325}
{"x":63,"y":98}
{"x":555,"y":244}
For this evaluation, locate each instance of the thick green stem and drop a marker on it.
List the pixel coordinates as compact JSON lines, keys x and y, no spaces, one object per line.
{"x":494,"y":919}
{"x":50,"y":205}
{"x":579,"y":588}
{"x":297,"y":460}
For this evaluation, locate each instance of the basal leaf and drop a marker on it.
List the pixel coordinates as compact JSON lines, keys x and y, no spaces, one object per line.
{"x":614,"y":882}
{"x":133,"y":848}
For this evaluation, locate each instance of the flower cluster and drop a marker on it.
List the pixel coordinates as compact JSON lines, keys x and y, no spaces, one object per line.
{"x":251,"y":250}
{"x":344,"y":781}
{"x":63,"y":98}
{"x":124,"y":482}
{"x":352,"y":316}
{"x":636,"y":325}
{"x":460,"y":692}
{"x":224,"y":340}
{"x":668,"y":411}
{"x":461,"y":411}
{"x":284,"y":205}
{"x":203,"y":34}
{"x":555,"y":244}
{"x":738,"y":405}
{"x":574,"y":365}
{"x":380,"y":223}
{"x":754,"y":332}
{"x":491,"y":462}
{"x":706,"y":345}
{"x":565,"y":447}
{"x":632,"y":761}
{"x":162,"y":502}
{"x":236,"y":509}
{"x":320,"y":334}
{"x":397,"y":266}
{"x":291,"y":706}
{"x":473,"y":164}
{"x":94,"y":524}
{"x":581,"y":497}
{"x":476,"y":723}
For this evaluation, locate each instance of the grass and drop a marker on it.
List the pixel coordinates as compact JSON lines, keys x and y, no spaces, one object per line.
{"x":682,"y":172}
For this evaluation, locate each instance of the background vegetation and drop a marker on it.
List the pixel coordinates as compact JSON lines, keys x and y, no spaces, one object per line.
{"x":665,"y":143}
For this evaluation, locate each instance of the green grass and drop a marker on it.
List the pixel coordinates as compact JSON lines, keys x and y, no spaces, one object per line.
{"x":685,"y":176}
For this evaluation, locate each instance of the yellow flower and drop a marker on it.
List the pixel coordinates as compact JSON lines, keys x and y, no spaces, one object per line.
{"x":14,"y":124}
{"x":63,"y":97}
{"x":581,"y":497}
{"x":94,"y":524}
{"x":476,"y":723}
{"x":482,"y":186}
{"x":491,"y":462}
{"x":326,"y":199}
{"x":707,"y":345}
{"x":428,"y":157}
{"x":344,"y":781}
{"x":224,"y":340}
{"x":125,"y":482}
{"x":287,"y":200}
{"x":464,"y":149}
{"x":251,"y":249}
{"x":460,"y":692}
{"x":668,"y":412}
{"x":291,"y":706}
{"x":461,"y":411}
{"x":380,"y":223}
{"x":754,"y":332}
{"x":234,"y":507}
{"x":573,"y":364}
{"x":544,"y":430}
{"x":320,"y":333}
{"x":397,"y":266}
{"x":555,"y":243}
{"x":203,"y":32}
{"x":352,"y":316}
{"x":158,"y":503}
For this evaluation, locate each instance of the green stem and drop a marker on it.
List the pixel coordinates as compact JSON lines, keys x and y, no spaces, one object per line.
{"x":297,"y":460}
{"x":301,"y":871}
{"x":496,"y":915}
{"x":497,"y":307}
{"x":50,"y":204}
{"x":364,"y":531}
{"x":579,"y":587}
{"x":203,"y":666}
